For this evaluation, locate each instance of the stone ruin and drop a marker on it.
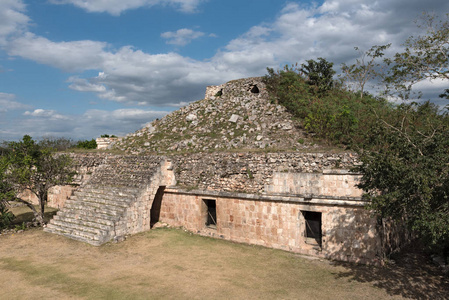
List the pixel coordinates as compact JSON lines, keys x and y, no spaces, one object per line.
{"x":304,"y":202}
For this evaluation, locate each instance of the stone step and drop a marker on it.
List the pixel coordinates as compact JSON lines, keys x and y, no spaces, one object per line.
{"x":119,"y":207}
{"x":125,"y":194}
{"x":76,"y":234}
{"x":83,"y":218}
{"x":115,"y":211}
{"x":103,"y":201}
{"x":87,"y":216}
{"x":82,"y":222}
{"x":79,"y":227}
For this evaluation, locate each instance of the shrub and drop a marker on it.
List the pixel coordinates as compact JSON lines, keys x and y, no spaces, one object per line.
{"x":328,"y":111}
{"x":6,"y":216}
{"x":92,"y":144}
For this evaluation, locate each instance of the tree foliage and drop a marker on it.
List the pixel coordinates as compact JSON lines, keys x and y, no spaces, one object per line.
{"x":406,"y":174}
{"x":29,"y":166}
{"x":319,"y":74}
{"x":337,"y":116}
{"x":365,"y":69}
{"x":404,"y":148}
{"x":92,"y":144}
{"x":6,"y":195}
{"x":406,"y":164}
{"x":425,"y":57}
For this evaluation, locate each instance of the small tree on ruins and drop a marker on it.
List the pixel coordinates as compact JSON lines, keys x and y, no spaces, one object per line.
{"x":29,"y":166}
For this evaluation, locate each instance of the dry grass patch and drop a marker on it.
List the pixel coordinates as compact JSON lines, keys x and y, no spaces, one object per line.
{"x":173,"y":264}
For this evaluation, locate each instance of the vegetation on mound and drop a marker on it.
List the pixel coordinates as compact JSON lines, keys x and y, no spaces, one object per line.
{"x":404,"y":148}
{"x":335,"y":115}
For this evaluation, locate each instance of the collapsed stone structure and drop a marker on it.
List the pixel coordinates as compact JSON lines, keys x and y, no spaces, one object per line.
{"x":305,"y":202}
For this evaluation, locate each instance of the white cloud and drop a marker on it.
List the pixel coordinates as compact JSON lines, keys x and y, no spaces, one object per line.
{"x":46,"y":114}
{"x":131,"y":76}
{"x":8,"y":103}
{"x":181,"y":37}
{"x":91,"y":124}
{"x":69,"y":56}
{"x":116,"y":7}
{"x":298,"y":33}
{"x":83,"y":85}
{"x":12,"y":19}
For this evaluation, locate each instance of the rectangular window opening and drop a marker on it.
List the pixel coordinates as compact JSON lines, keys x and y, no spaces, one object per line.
{"x":313,"y":232}
{"x":211,"y":215}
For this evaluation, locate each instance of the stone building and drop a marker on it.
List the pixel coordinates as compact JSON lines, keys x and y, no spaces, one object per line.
{"x":263,"y":184}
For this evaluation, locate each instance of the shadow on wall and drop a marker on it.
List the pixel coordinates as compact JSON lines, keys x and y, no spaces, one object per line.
{"x":408,"y":273}
{"x":155,"y":211}
{"x":412,"y":276}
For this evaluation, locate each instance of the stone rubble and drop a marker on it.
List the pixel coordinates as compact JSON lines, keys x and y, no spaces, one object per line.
{"x":235,"y":115}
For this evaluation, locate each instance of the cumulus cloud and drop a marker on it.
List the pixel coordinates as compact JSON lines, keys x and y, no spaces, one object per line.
{"x":8,"y":103}
{"x":131,"y":76}
{"x":116,"y":7}
{"x":181,"y":37}
{"x":12,"y":19}
{"x":83,"y":85}
{"x":69,"y":56}
{"x":47,"y":114}
{"x":91,"y":124}
{"x":134,"y":77}
{"x":300,"y":32}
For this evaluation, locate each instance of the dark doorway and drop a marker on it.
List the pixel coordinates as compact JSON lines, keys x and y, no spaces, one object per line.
{"x":254,"y":89}
{"x":313,"y":233}
{"x":155,"y":211}
{"x":211,"y":217}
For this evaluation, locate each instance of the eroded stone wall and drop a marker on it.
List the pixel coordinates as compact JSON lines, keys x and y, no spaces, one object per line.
{"x":349,"y":233}
{"x":260,"y":198}
{"x":251,"y":172}
{"x":331,"y":183}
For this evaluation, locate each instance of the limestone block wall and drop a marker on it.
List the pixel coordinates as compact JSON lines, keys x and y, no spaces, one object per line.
{"x":212,"y":90}
{"x":349,"y":233}
{"x":58,"y":194}
{"x":104,"y":143}
{"x":252,"y":172}
{"x":335,"y":183}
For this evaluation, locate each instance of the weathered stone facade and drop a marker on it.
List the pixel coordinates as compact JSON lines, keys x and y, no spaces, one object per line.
{"x":250,"y":172}
{"x":105,"y":143}
{"x":270,"y":206}
{"x":348,"y":231}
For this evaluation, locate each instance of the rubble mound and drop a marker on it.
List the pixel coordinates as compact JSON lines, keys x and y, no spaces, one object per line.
{"x":235,"y":115}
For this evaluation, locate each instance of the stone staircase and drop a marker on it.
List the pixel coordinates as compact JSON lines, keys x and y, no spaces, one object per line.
{"x":116,"y":201}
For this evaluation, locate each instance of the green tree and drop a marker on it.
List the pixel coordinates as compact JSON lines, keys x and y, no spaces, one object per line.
{"x":28,"y":166}
{"x":319,"y":74}
{"x":406,"y":162}
{"x":425,"y":57}
{"x":406,"y":176}
{"x":6,"y":195}
{"x":92,"y":144}
{"x":366,"y":68}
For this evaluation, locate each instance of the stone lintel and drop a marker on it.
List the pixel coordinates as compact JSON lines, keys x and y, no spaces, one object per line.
{"x":303,"y":199}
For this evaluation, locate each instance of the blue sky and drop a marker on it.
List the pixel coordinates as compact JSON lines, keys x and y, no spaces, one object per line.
{"x":79,"y":69}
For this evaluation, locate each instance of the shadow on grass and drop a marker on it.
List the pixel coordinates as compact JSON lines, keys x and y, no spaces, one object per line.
{"x":26,"y":215}
{"x":411,"y":276}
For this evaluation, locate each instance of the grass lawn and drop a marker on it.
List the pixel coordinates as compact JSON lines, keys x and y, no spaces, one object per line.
{"x":174,"y":264}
